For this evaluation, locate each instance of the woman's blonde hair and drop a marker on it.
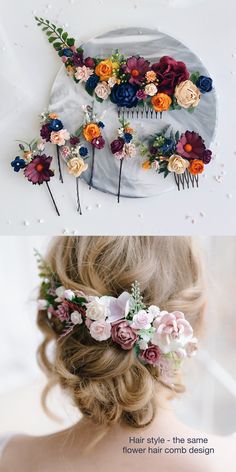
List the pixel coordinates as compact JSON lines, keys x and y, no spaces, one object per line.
{"x":109,"y":384}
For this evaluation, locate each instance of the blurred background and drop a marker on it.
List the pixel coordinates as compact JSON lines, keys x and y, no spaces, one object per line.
{"x":210,"y":400}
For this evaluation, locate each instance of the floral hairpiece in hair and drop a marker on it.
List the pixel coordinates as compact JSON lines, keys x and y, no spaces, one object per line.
{"x":185,"y":156}
{"x":35,"y":164}
{"x":124,"y":147}
{"x":53,"y":131}
{"x":130,"y":82}
{"x":159,"y":338}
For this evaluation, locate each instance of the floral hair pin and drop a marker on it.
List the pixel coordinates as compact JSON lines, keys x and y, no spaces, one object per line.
{"x":91,"y":131}
{"x":130,"y":82}
{"x":74,"y":154}
{"x":159,"y":338}
{"x":123,"y":147}
{"x":184,"y":156}
{"x":53,"y":131}
{"x":35,"y":164}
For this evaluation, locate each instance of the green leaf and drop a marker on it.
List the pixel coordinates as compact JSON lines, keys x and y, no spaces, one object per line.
{"x":47,"y":21}
{"x":177,"y":136}
{"x":59,"y":30}
{"x":191,"y":110}
{"x":64,"y":36}
{"x":57,"y":46}
{"x":61,"y":53}
{"x":49,"y":32}
{"x":89,"y":90}
{"x":70,"y":41}
{"x":45,"y":28}
{"x":51,"y":39}
{"x":194,"y":77}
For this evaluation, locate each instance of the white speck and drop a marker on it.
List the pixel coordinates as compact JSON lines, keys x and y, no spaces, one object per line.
{"x":223,"y":172}
{"x":218,"y":179}
{"x":88,"y":208}
{"x":34,"y":12}
{"x":99,"y":205}
{"x":49,"y":6}
{"x":41,"y":220}
{"x":74,"y":232}
{"x":229,"y":195}
{"x":66,"y":25}
{"x":234,"y":55}
{"x":26,"y":26}
{"x":202,"y":214}
{"x":140,"y":215}
{"x":204,"y":176}
{"x":232,"y":72}
{"x":187,"y":217}
{"x":9,"y":222}
{"x":65,"y":231}
{"x":72,"y":2}
{"x":193,"y":221}
{"x":3,"y":48}
{"x":26,"y":223}
{"x":222,"y":165}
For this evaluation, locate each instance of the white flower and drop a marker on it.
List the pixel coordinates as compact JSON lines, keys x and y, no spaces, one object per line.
{"x":151,"y":90}
{"x":142,"y":320}
{"x":97,"y":309}
{"x":60,"y":292}
{"x":42,"y":304}
{"x":103,"y":90}
{"x":76,"y":317}
{"x":40,"y":145}
{"x":83,"y":73}
{"x":154,"y":311}
{"x":100,"y":330}
{"x":172,"y":333}
{"x":130,"y":150}
{"x":112,"y":81}
{"x":69,"y":295}
{"x":143,"y":345}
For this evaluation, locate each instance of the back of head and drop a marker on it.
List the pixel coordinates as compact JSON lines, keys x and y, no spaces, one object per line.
{"x":107,"y":383}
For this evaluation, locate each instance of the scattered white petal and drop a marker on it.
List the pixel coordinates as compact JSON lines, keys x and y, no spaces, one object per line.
{"x":65,"y":231}
{"x":98,"y":205}
{"x":202,"y":214}
{"x":26,"y":223}
{"x":9,"y":222}
{"x":229,"y":195}
{"x":41,"y":220}
{"x":88,"y":208}
{"x":140,"y":215}
{"x":49,"y":6}
{"x":74,"y":232}
{"x":187,"y":217}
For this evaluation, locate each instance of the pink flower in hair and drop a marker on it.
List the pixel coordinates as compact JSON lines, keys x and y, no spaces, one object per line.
{"x":142,"y":320}
{"x":151,"y":355}
{"x":173,"y":332}
{"x":100,"y":330}
{"x":123,"y":334}
{"x":62,"y":312}
{"x":119,"y":307}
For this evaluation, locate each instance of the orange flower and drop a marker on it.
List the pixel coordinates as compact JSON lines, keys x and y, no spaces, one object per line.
{"x":91,"y":131}
{"x":161,"y":102}
{"x":104,"y":69}
{"x":129,"y":130}
{"x":151,"y":76}
{"x":146,"y":165}
{"x":53,"y":116}
{"x":196,"y":167}
{"x":70,"y":70}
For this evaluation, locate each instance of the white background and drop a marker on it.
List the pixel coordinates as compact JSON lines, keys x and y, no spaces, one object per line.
{"x":28,"y":68}
{"x":209,"y":402}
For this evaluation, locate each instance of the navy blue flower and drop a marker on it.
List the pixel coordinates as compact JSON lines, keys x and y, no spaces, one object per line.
{"x":168,"y":147}
{"x":101,"y":124}
{"x":55,"y":125}
{"x":92,"y":82}
{"x":128,"y":137}
{"x":124,"y":95}
{"x":67,"y":52}
{"x":204,"y":84}
{"x":83,"y":151}
{"x":18,"y":164}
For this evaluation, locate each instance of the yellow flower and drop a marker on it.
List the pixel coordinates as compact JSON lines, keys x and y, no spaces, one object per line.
{"x":104,"y":69}
{"x":91,"y":131}
{"x":161,"y":102}
{"x":146,"y":165}
{"x":76,"y":166}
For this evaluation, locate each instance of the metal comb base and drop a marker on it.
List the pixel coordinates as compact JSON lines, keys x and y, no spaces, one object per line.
{"x":138,"y":113}
{"x":186,"y":180}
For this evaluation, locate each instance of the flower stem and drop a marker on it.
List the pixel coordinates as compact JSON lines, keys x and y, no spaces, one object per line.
{"x":119,"y":186}
{"x":51,"y":195}
{"x":92,"y":169}
{"x":59,"y":164}
{"x":79,"y":209}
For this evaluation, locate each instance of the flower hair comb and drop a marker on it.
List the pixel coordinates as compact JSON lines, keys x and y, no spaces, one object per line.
{"x":134,"y":84}
{"x":35,"y":164}
{"x":159,"y":338}
{"x":185,"y":156}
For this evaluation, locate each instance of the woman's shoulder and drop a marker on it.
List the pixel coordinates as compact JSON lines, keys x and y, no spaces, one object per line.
{"x":17,"y":452}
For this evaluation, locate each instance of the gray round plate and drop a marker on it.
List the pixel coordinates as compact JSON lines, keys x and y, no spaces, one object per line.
{"x":67,"y":99}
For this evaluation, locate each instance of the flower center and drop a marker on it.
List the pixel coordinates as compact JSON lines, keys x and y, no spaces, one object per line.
{"x":135,"y":73}
{"x":188,"y":147}
{"x":39,"y":167}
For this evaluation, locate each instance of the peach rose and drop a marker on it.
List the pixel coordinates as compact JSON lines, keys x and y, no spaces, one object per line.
{"x":151,"y":76}
{"x":103,"y":90}
{"x":177,"y":164}
{"x":104,"y":69}
{"x":76,"y":166}
{"x":151,"y":90}
{"x":59,"y":137}
{"x":187,"y":94}
{"x":91,"y":131}
{"x":196,"y":167}
{"x":161,"y":102}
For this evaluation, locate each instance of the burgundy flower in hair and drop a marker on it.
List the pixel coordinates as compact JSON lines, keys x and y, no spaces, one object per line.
{"x":123,"y":334}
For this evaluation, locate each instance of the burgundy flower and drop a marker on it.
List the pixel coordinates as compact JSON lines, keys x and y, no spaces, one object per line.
{"x":89,"y":62}
{"x":117,"y":145}
{"x":141,"y":95}
{"x":170,"y":73}
{"x":38,"y":170}
{"x":137,"y":67}
{"x":191,"y":146}
{"x":45,"y":132}
{"x":151,"y":355}
{"x":78,"y":59}
{"x":62,"y":312}
{"x":153,"y":150}
{"x":207,"y":156}
{"x":123,"y":334}
{"x":74,"y":140}
{"x":98,"y":143}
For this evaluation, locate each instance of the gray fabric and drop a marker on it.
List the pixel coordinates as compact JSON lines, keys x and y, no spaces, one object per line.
{"x":67,"y":97}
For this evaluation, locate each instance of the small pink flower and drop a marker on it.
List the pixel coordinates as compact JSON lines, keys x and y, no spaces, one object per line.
{"x":64,"y":59}
{"x":173,"y":332}
{"x":60,"y":137}
{"x":123,"y":334}
{"x":142,"y":320}
{"x":65,"y":151}
{"x":62,"y":312}
{"x":120,"y":155}
{"x":130,"y":150}
{"x":83,"y":73}
{"x":100,"y":330}
{"x":151,"y":355}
